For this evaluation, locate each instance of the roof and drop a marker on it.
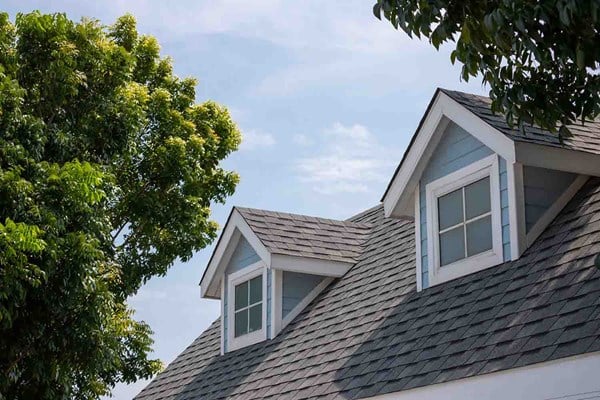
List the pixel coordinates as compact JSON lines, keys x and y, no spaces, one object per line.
{"x":304,"y":236}
{"x":585,"y":137}
{"x":370,"y":332}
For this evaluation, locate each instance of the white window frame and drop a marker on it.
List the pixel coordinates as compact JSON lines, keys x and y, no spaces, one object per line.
{"x":249,"y":272}
{"x":487,"y":167}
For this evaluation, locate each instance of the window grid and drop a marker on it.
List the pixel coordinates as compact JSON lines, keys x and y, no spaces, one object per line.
{"x":465,"y":221}
{"x":247,"y":308}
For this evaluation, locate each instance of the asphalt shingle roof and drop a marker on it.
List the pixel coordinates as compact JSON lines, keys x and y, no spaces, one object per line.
{"x":370,"y":332}
{"x":586,"y":137}
{"x":304,"y":236}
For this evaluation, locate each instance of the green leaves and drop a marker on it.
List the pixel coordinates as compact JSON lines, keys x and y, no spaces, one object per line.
{"x":108,"y":170}
{"x":540,"y":59}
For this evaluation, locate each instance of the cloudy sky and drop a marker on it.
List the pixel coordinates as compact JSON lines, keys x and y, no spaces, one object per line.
{"x":326,"y":95}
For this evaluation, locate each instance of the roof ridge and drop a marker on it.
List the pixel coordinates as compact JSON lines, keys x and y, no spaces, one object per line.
{"x":265,"y":211}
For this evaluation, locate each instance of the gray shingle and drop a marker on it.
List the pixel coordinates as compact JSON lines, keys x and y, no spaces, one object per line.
{"x":300,"y":235}
{"x":370,"y":332}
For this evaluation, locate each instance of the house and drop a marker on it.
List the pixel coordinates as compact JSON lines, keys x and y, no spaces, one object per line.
{"x":473,"y":279}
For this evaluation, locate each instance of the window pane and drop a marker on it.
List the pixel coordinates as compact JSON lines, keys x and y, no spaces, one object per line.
{"x":477,"y":198}
{"x":479,"y":236}
{"x":256,"y":289}
{"x":452,"y":245}
{"x":450,"y":209}
{"x":241,"y":323}
{"x":255,"y":317}
{"x":241,"y":295}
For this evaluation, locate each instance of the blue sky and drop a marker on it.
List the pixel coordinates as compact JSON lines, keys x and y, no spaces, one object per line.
{"x":327,"y":98}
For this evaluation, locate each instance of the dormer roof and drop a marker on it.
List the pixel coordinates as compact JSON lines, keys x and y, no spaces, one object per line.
{"x":305,"y":236}
{"x":291,"y":242}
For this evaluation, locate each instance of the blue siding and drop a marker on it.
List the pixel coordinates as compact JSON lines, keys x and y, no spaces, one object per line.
{"x":456,"y":150}
{"x":243,"y":256}
{"x":542,"y":188}
{"x":295,"y":288}
{"x":504,"y":209}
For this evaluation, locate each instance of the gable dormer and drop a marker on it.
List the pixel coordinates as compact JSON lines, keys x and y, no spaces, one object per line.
{"x":268,"y":266}
{"x":480,"y":192}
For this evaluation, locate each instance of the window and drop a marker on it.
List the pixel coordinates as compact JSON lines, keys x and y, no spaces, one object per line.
{"x":465,"y":222}
{"x":464,"y":232}
{"x":248,"y":306}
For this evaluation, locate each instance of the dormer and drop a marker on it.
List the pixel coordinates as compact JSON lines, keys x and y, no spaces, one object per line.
{"x":480,"y":192}
{"x":268,"y":266}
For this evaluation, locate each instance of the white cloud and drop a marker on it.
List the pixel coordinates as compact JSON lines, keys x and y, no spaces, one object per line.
{"x":351,"y":161}
{"x":252,"y":140}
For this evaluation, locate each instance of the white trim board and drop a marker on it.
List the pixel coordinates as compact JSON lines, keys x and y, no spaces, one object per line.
{"x":276,"y":301}
{"x":397,"y":202}
{"x":307,"y":265}
{"x":557,"y":158}
{"x":572,"y":378}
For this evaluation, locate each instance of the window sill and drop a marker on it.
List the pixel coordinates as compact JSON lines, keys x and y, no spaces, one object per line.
{"x":247,"y":340}
{"x":464,"y":267}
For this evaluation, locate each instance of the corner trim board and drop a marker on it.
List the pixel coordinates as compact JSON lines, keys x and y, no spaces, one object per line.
{"x":417,"y":223}
{"x":516,"y":210}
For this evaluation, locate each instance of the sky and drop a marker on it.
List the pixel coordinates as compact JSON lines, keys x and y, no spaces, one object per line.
{"x":327,"y":98}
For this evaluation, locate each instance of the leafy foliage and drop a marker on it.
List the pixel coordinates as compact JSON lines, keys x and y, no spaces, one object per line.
{"x":540,"y":58}
{"x":108,"y":169}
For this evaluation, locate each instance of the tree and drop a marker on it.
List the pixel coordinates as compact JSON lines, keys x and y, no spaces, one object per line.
{"x":108,"y":170}
{"x":540,"y":58}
